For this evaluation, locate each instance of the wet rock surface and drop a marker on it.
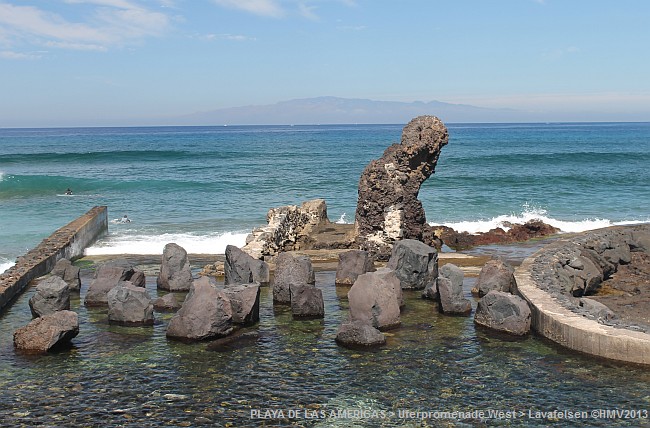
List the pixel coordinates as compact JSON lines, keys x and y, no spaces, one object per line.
{"x":47,"y":332}
{"x":503,"y":312}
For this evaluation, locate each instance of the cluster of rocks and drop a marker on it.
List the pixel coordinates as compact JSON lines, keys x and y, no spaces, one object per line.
{"x":516,"y":233}
{"x":294,"y":284}
{"x":53,"y":324}
{"x":573,"y":269}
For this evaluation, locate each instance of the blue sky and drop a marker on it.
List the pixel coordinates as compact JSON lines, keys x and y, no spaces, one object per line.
{"x":87,"y":62}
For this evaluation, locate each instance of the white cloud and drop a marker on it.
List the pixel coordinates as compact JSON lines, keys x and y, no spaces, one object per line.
{"x":258,"y":7}
{"x":308,"y":11}
{"x":231,"y":37}
{"x":18,"y":55}
{"x":112,"y":23}
{"x":553,"y":55}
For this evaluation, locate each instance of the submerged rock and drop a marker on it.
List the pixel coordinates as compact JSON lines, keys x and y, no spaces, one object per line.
{"x":388,"y":208}
{"x":52,"y":295}
{"x":359,"y":334}
{"x":175,"y":271}
{"x":46,"y":332}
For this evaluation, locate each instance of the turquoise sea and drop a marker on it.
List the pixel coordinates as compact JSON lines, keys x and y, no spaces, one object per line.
{"x":205,"y":187}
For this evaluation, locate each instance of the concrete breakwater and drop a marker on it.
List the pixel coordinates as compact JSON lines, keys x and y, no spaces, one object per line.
{"x":554,"y":279}
{"x":67,"y":242}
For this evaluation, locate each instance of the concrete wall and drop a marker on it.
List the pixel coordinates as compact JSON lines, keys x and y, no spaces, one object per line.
{"x":543,"y":281}
{"x":67,"y":242}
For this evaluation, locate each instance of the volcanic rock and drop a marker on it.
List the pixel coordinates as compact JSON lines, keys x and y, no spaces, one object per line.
{"x":352,"y":264}
{"x":503,"y":312}
{"x":65,"y":270}
{"x":175,"y":272}
{"x":52,"y":295}
{"x":414,"y":263}
{"x":46,"y":332}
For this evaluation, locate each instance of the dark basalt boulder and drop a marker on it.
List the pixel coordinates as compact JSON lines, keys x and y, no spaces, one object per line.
{"x":241,"y":268}
{"x":129,"y":305}
{"x":375,"y":299}
{"x":414,"y":263}
{"x":206,"y":314}
{"x":503,"y":312}
{"x":495,"y":275}
{"x":290,"y":270}
{"x":175,"y":271}
{"x":65,"y":270}
{"x":388,"y":208}
{"x":52,"y":295}
{"x":352,"y":264}
{"x":307,"y":301}
{"x":108,"y":276}
{"x":244,"y":301}
{"x":451,"y":299}
{"x":167,"y":303}
{"x":46,"y":332}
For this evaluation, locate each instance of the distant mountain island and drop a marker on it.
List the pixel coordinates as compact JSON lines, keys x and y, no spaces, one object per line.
{"x":334,"y":110}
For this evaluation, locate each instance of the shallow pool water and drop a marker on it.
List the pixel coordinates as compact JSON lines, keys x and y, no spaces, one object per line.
{"x":293,"y":373}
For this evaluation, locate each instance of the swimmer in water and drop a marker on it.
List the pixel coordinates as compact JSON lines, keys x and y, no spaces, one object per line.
{"x":68,"y":191}
{"x":125,"y":219}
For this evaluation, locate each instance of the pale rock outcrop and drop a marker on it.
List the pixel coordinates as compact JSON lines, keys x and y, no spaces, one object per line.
{"x":175,"y":271}
{"x":46,"y":332}
{"x":286,"y":226}
{"x":388,"y":208}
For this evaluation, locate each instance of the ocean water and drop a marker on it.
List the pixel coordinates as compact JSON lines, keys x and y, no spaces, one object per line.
{"x":206,"y":187}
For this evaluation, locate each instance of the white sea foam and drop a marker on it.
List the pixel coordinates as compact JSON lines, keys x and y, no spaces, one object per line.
{"x":531,"y":213}
{"x":342,"y":220}
{"x":5,"y":264}
{"x":2,"y":175}
{"x":147,"y":244}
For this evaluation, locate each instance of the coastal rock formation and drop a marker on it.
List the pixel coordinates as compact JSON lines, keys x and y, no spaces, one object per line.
{"x":503,"y":312}
{"x":388,"y":208}
{"x":46,"y":332}
{"x":108,"y":276}
{"x":359,"y":334}
{"x":175,"y":271}
{"x":290,"y":270}
{"x":307,"y":301}
{"x":245,"y":302}
{"x":240,"y":268}
{"x":495,"y":275}
{"x":69,"y":273}
{"x":414,"y":263}
{"x":516,"y":233}
{"x":167,"y":303}
{"x":52,"y":295}
{"x":138,"y":279}
{"x":286,"y":227}
{"x":129,"y":305}
{"x":352,"y":264}
{"x":375,"y":299}
{"x":205,"y":314}
{"x":451,"y":299}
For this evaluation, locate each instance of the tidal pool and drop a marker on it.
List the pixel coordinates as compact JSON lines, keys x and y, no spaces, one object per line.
{"x":294,"y":373}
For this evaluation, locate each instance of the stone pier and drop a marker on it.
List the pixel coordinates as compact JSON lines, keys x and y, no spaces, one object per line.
{"x":67,"y":242}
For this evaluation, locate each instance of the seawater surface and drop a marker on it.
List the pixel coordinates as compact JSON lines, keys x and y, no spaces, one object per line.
{"x":134,"y":376}
{"x":205,"y":187}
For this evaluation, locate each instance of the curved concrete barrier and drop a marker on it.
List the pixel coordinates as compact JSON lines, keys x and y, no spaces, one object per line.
{"x":68,"y":242}
{"x":547,"y":278}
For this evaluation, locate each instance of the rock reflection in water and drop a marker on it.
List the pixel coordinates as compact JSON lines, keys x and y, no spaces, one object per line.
{"x":136,"y":377}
